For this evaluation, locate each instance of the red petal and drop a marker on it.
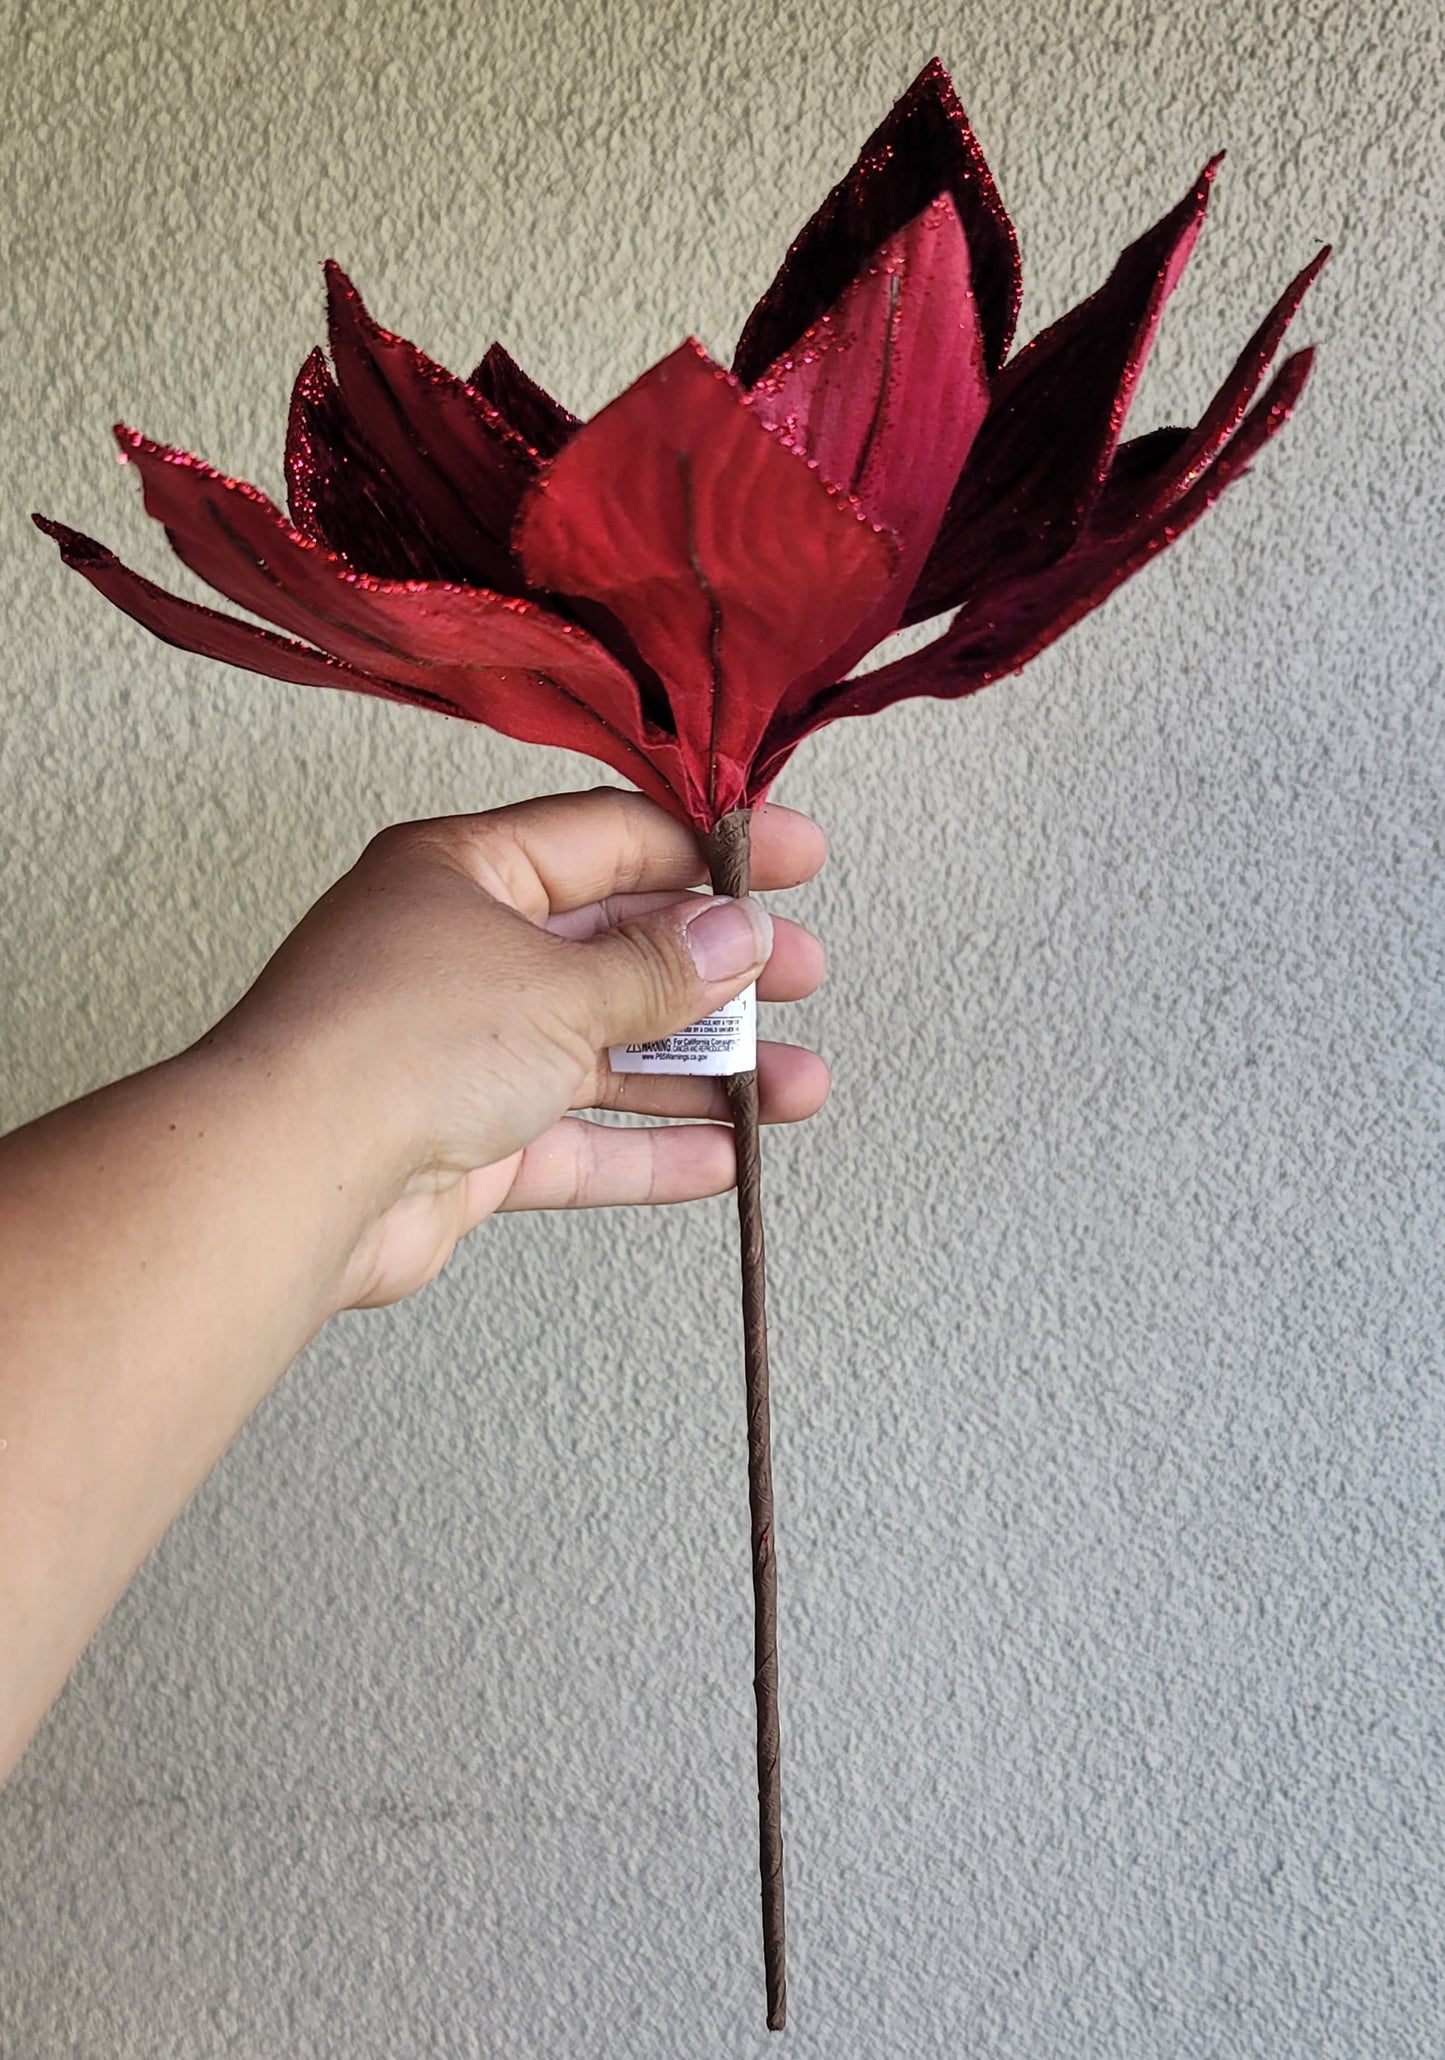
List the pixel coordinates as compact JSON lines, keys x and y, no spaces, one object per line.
{"x":885,"y":395}
{"x":923,"y":147}
{"x":495,"y":659}
{"x":1002,"y":634}
{"x":726,"y":557}
{"x":530,"y":409}
{"x":461,"y":463}
{"x":1136,"y":488}
{"x":547,"y":426}
{"x":886,"y":391}
{"x":205,"y":630}
{"x":1041,"y":457}
{"x":343,"y":497}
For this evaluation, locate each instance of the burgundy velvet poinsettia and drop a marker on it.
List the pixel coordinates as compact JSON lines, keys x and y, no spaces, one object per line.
{"x":684,"y":586}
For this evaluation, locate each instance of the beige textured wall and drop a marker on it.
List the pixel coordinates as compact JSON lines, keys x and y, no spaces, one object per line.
{"x":1109,"y":1413}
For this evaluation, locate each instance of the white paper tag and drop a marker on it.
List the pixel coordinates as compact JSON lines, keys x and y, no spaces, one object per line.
{"x":724,"y":1042}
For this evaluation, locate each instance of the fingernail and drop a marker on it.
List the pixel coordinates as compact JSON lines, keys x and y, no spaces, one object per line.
{"x":726,"y":937}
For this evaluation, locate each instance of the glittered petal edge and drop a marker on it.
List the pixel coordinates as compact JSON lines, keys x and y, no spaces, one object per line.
{"x":972,"y":654}
{"x":343,"y":497}
{"x":1141,"y":491}
{"x":923,"y":147}
{"x":206,"y":631}
{"x":885,"y":394}
{"x":528,"y":407}
{"x":1056,"y":412}
{"x":530,"y":707}
{"x":461,"y":462}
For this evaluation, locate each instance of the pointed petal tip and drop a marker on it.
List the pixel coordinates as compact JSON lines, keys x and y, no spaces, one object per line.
{"x":342,"y":297}
{"x":924,"y":144}
{"x":934,"y":74}
{"x":684,"y":357}
{"x":535,"y":414}
{"x":1289,"y":382}
{"x":312,"y":386}
{"x":1196,"y":201}
{"x":76,"y":548}
{"x":934,"y":82}
{"x":135,"y":443}
{"x":1305,"y":278}
{"x":704,"y":356}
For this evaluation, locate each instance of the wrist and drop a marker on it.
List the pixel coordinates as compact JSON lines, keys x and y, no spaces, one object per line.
{"x":302,"y":1107}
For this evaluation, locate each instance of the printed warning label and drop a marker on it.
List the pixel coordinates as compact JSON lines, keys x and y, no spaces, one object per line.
{"x":724,"y":1042}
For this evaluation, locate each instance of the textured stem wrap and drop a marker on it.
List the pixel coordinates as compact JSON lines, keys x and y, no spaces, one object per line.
{"x":728,"y":846}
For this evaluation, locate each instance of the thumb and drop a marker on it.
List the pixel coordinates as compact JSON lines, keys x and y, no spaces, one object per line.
{"x":657,"y":973}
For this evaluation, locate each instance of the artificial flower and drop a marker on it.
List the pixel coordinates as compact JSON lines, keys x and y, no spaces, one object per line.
{"x":685,"y":585}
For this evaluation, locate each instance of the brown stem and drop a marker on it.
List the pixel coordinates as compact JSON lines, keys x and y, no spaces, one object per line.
{"x":728,"y":847}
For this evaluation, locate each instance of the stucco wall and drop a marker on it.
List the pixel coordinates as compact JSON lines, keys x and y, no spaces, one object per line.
{"x":1109,"y":1423}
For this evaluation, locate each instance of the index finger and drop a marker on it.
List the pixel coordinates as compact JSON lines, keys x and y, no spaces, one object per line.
{"x":566,"y":850}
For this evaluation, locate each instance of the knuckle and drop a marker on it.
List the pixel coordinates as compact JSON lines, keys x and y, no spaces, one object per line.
{"x":393,"y":842}
{"x":404,"y":843}
{"x":573,"y":1044}
{"x":490,"y":837}
{"x":584,"y":1172}
{"x":632,"y":823}
{"x":660,"y":970}
{"x":559,"y":1010}
{"x":494,"y":857}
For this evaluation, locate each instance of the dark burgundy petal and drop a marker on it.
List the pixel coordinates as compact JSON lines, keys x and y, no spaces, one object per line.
{"x":729,"y":560}
{"x":1136,"y":465}
{"x":530,"y":409}
{"x":923,"y":147}
{"x":462,"y":464}
{"x":886,"y":391}
{"x":1000,"y":635}
{"x":494,"y":658}
{"x":885,"y":394}
{"x":205,"y":630}
{"x":1157,"y":469}
{"x":1040,"y":459}
{"x":342,"y":496}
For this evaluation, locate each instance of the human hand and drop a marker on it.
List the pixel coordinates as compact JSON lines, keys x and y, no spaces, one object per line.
{"x":453,"y":998}
{"x":405,"y":1065}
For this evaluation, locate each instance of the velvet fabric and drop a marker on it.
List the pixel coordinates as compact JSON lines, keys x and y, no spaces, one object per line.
{"x":684,"y":586}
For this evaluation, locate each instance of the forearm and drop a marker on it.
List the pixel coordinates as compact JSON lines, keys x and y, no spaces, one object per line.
{"x":167,"y":1246}
{"x":405,"y":1065}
